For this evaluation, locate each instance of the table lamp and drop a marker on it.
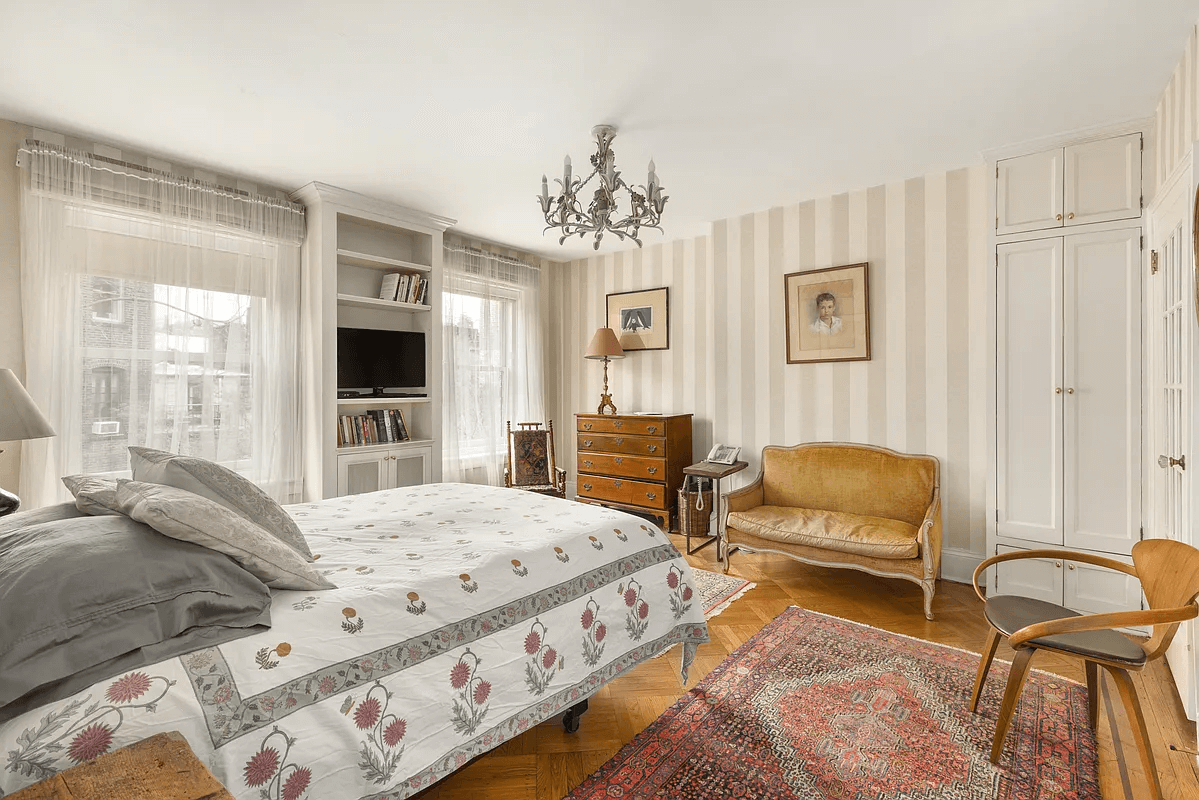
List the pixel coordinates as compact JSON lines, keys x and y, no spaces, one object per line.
{"x":20,"y":419}
{"x":605,"y":345}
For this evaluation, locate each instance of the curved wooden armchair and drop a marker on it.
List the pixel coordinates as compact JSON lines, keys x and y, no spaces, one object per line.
{"x":1169,"y":575}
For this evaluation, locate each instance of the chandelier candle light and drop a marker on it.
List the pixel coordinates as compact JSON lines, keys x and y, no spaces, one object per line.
{"x":567,"y":213}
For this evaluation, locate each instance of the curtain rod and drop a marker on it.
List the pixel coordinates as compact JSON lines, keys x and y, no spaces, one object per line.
{"x":488,"y":254}
{"x":86,"y":159}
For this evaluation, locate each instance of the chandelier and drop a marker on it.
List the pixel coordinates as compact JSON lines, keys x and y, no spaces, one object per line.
{"x":601,"y":215}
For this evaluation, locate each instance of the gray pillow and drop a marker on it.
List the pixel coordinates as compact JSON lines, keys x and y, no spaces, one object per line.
{"x":222,"y":485}
{"x":189,"y":517}
{"x":79,"y":593}
{"x":23,"y":519}
{"x":93,"y":495}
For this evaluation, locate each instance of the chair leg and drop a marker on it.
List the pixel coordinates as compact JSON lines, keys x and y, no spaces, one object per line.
{"x":1093,"y":694}
{"x":1011,"y":696}
{"x":984,"y":665}
{"x":929,"y":586}
{"x":1132,"y":705}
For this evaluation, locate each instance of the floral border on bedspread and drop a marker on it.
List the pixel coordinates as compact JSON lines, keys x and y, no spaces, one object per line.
{"x":530,"y":717}
{"x":230,"y":716}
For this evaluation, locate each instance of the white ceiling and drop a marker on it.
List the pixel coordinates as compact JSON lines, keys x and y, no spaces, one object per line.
{"x":458,"y":107}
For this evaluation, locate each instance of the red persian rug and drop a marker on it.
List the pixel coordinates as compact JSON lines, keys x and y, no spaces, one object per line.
{"x":818,"y":707}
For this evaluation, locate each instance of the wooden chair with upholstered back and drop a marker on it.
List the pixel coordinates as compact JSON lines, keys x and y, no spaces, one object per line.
{"x":530,"y":463}
{"x":1169,"y":576}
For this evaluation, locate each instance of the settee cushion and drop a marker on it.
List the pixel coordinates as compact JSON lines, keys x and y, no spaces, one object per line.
{"x":839,"y":531}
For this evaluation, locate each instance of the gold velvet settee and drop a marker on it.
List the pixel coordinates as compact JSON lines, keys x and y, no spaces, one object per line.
{"x":844,"y":505}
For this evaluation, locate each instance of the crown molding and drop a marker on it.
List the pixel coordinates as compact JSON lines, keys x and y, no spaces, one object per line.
{"x":316,"y":192}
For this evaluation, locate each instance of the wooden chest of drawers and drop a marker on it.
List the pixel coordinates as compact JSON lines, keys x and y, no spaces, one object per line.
{"x":633,"y":462}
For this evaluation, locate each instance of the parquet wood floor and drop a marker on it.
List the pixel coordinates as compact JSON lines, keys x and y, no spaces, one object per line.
{"x":545,"y":763}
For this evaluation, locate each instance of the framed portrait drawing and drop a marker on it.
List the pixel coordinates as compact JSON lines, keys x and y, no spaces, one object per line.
{"x":828,"y":314}
{"x":641,"y":319}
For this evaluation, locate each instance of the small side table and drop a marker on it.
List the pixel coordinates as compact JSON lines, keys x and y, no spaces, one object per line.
{"x":713,"y":472}
{"x":162,"y":767}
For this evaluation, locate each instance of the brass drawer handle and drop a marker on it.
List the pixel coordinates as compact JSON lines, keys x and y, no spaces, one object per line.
{"x":651,"y":495}
{"x":586,"y":426}
{"x":617,"y":484}
{"x":619,"y":442}
{"x":652,"y":470}
{"x":617,"y":424}
{"x":587,"y":443}
{"x":588,"y":464}
{"x":653,"y":448}
{"x":652,"y":429}
{"x":586,"y":487}
{"x":618,"y":461}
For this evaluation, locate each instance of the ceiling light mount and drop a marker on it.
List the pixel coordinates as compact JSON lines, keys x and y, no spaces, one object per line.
{"x":602,"y":215}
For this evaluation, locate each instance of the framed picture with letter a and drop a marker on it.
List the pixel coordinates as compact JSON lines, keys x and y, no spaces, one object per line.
{"x":828,"y":314}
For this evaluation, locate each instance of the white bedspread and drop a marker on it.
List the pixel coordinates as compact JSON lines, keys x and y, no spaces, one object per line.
{"x":464,"y":616}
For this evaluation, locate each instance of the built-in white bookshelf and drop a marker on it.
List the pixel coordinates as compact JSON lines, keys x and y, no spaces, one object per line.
{"x":353,"y":243}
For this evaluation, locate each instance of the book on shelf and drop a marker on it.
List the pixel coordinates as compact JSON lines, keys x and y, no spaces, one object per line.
{"x":377,"y":426}
{"x":389,"y":286}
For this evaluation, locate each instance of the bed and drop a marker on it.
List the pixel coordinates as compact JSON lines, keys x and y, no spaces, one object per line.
{"x":464,"y":615}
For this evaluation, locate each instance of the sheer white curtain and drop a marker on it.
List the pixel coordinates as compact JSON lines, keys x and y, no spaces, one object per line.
{"x":493,"y":360}
{"x":158,"y":311}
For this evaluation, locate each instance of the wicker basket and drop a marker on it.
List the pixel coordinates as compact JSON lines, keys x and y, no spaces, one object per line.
{"x":694,"y":523}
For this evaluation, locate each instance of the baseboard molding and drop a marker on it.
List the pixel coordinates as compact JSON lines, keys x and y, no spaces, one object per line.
{"x":959,"y":565}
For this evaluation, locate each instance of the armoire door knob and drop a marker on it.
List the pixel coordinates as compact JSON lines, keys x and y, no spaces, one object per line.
{"x":1058,"y":217}
{"x":1058,"y":390}
{"x":1070,"y":215}
{"x":1070,"y":390}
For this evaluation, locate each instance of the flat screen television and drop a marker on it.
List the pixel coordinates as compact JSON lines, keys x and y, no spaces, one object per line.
{"x":380,"y":360}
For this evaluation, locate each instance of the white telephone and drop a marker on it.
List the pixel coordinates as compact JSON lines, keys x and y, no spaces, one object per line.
{"x":724,"y":454}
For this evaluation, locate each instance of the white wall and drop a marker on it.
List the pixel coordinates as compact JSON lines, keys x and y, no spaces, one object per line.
{"x":923,"y":391}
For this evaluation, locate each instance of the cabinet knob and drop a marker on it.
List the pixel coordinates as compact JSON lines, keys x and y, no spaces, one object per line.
{"x":588,"y":464}
{"x":1058,"y":217}
{"x":1070,"y":215}
{"x":587,"y":443}
{"x":1071,"y":566}
{"x":586,"y":487}
{"x":1057,"y":564}
{"x":652,"y":429}
{"x":1058,"y":390}
{"x":617,"y":484}
{"x":1070,"y":390}
{"x":586,"y":426}
{"x":619,"y":442}
{"x":618,"y":424}
{"x":653,"y":448}
{"x":618,"y":461}
{"x":651,"y":495}
{"x":652,"y":470}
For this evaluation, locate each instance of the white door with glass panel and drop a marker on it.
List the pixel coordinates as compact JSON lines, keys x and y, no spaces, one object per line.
{"x":1171,"y":321}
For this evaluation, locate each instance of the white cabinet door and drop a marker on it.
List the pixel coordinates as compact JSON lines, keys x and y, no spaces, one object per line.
{"x":359,"y":473}
{"x":1039,"y":578}
{"x":1102,"y":475}
{"x":1095,"y":590}
{"x":1028,"y":390}
{"x":411,"y":466}
{"x":1103,"y":180}
{"x":1028,"y":192}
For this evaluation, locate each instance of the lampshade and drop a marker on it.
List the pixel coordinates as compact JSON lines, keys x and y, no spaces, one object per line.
{"x":20,"y":417}
{"x":604,"y":345}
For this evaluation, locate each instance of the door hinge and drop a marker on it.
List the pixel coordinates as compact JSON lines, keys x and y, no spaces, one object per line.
{"x":996,"y":170}
{"x":1142,"y":241}
{"x":1142,"y":533}
{"x":996,"y":223}
{"x":1142,"y":142}
{"x":1142,"y":202}
{"x":1152,"y":262}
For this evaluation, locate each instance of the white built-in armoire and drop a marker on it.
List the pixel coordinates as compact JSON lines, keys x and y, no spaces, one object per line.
{"x":1068,"y":368}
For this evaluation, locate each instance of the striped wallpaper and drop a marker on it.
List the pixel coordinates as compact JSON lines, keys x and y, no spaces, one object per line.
{"x":1177,"y":116}
{"x":922,"y":391}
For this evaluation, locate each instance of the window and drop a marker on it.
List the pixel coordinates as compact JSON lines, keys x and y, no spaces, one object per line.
{"x":108,"y":400}
{"x":478,"y":328}
{"x":106,"y":303}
